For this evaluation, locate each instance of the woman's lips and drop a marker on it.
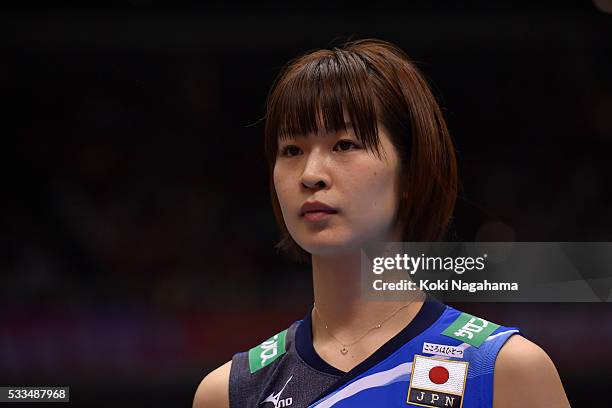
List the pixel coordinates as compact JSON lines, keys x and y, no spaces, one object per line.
{"x":316,"y":211}
{"x":317,"y":215}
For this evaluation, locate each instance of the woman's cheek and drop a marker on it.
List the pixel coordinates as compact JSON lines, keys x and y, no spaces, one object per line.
{"x":282,"y":199}
{"x":289,"y":205}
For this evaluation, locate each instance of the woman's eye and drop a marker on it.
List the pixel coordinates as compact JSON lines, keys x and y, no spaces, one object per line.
{"x":346,"y":145}
{"x":290,"y":151}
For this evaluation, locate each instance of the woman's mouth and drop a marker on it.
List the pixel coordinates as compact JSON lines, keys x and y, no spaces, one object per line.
{"x":317,"y":215}
{"x":316,"y":211}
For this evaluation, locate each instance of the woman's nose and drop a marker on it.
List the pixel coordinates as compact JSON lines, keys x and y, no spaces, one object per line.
{"x":315,"y":174}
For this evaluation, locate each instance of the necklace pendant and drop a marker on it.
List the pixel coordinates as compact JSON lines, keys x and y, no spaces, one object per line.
{"x":343,"y":350}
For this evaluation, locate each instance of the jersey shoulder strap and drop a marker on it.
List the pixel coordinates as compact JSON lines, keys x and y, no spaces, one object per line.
{"x":252,"y":370}
{"x":479,"y":342}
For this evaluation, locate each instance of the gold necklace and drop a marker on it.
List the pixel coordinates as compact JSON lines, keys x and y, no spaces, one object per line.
{"x":344,"y":350}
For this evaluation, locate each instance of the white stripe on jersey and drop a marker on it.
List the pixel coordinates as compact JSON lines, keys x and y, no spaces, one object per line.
{"x":398,"y":373}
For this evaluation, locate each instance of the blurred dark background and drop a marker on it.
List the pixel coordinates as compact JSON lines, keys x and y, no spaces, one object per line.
{"x":136,"y":233}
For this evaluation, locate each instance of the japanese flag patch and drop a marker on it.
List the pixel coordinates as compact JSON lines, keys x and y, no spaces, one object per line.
{"x":437,"y":383}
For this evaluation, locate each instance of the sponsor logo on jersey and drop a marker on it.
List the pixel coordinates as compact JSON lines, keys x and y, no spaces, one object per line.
{"x":276,"y":398}
{"x":443,"y":350}
{"x":470,"y":329}
{"x":435,"y":382}
{"x":267,"y":352}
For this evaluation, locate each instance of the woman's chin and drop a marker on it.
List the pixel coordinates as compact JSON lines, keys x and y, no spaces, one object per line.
{"x":330,"y":247}
{"x":336,"y":241}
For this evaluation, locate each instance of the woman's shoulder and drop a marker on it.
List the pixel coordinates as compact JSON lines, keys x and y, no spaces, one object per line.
{"x":213,"y":391}
{"x":526,"y":376}
{"x":246,"y":371}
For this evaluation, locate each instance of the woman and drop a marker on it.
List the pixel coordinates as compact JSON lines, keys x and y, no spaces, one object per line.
{"x":359,"y":151}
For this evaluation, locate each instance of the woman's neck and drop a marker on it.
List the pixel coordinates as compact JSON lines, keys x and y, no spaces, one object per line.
{"x":348,"y":315}
{"x":337,"y":288}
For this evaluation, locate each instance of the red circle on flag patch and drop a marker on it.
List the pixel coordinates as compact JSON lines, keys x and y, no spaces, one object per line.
{"x":438,"y":375}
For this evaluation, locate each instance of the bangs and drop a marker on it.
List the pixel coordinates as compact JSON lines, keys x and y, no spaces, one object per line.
{"x":316,"y":93}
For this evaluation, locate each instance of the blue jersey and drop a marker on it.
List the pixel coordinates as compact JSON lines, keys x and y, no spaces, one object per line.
{"x":443,"y":358}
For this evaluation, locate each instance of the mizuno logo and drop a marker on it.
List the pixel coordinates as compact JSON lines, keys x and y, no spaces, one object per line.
{"x":276,"y":398}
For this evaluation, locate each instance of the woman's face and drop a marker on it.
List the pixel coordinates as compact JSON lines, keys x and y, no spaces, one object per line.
{"x":336,"y":170}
